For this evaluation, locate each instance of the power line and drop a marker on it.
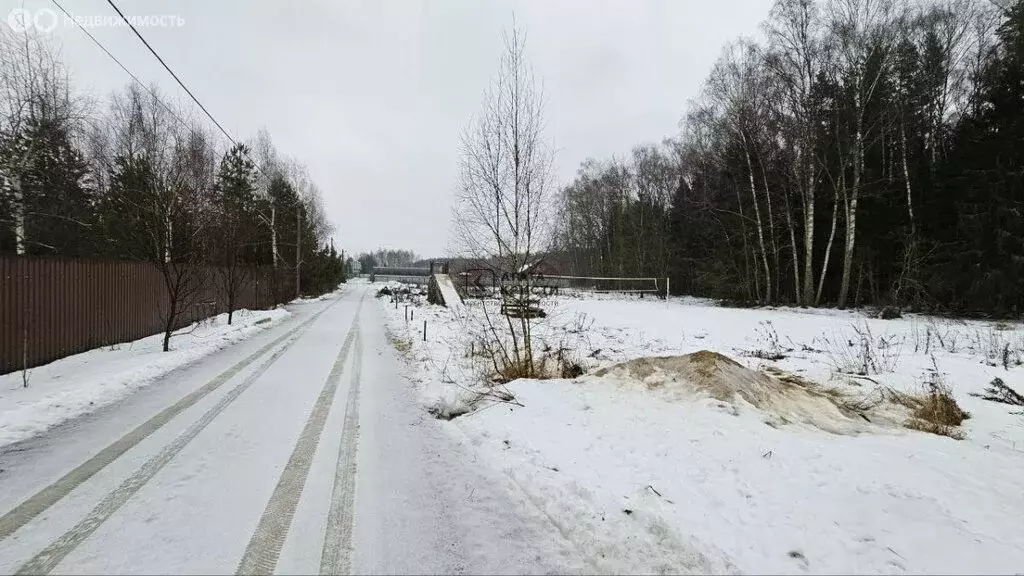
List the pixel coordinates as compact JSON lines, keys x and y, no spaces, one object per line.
{"x":175,"y":76}
{"x":149,"y":89}
{"x":182,"y":84}
{"x":156,"y":97}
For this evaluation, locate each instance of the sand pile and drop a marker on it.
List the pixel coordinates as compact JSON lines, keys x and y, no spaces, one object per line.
{"x":707,"y":374}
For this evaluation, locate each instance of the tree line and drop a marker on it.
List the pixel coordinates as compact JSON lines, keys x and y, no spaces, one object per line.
{"x":137,"y":178}
{"x":866,"y":152}
{"x":388,"y":258}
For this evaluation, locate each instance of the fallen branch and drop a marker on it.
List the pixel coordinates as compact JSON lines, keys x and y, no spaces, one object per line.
{"x":998,"y":391}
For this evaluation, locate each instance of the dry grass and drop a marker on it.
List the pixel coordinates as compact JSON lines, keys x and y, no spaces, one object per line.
{"x":837,"y":396}
{"x":551,"y":364}
{"x":937,"y":412}
{"x":848,"y":405}
{"x":518,"y":369}
{"x":403,"y":345}
{"x":790,"y":378}
{"x":864,"y":353}
{"x":771,"y":347}
{"x":933,"y":410}
{"x":933,"y":428}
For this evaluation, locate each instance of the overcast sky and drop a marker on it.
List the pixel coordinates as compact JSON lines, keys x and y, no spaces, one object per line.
{"x":372,"y":95}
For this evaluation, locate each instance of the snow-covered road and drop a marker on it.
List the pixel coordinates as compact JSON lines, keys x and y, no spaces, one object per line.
{"x":300,"y":450}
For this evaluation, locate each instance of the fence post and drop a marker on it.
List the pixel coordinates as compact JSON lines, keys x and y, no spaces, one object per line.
{"x":407,"y":313}
{"x":412,"y":314}
{"x":668,"y":285}
{"x":424,"y":330}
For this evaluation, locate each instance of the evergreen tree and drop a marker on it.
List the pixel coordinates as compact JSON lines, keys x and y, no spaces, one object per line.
{"x":56,"y":193}
{"x":984,"y":180}
{"x":235,"y":232}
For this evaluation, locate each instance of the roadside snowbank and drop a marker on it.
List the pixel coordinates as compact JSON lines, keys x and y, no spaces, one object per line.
{"x":78,"y":384}
{"x":702,"y":481}
{"x":648,"y":482}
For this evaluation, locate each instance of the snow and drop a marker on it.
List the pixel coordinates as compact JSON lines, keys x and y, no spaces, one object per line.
{"x":448,"y":294}
{"x":646,"y":481}
{"x":424,"y":502}
{"x":82,"y":383}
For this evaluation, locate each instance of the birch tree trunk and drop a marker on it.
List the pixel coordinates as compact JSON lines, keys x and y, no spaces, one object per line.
{"x":746,"y":248}
{"x":851,"y":211}
{"x":757,"y":219}
{"x":771,"y":231}
{"x":906,"y":180}
{"x":910,"y":253}
{"x":796,"y":253}
{"x":809,"y":233}
{"x":18,"y":210}
{"x":831,"y":239}
{"x":273,"y":233}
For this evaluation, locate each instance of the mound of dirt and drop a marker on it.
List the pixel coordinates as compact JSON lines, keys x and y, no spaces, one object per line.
{"x":708,"y":374}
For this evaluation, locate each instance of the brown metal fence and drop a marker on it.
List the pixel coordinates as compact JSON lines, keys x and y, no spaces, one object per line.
{"x":55,"y":307}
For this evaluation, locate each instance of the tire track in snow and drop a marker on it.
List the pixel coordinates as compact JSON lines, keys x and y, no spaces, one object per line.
{"x":264,"y":547}
{"x":336,"y":557}
{"x":52,"y":555}
{"x":23,"y":513}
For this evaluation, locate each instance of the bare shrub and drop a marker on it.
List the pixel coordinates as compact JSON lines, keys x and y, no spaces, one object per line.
{"x":560,"y":363}
{"x":864,"y":353}
{"x":771,"y":346}
{"x":516,"y":369}
{"x":997,"y":347}
{"x":580,"y":324}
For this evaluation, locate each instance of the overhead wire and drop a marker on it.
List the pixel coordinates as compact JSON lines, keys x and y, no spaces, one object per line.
{"x":149,"y":89}
{"x":171,"y":72}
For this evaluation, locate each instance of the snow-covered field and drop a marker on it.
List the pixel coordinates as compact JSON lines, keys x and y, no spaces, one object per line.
{"x":647,"y":481}
{"x":78,"y":384}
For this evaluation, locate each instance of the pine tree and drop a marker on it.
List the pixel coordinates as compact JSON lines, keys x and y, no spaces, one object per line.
{"x":985,"y":181}
{"x":235,"y":234}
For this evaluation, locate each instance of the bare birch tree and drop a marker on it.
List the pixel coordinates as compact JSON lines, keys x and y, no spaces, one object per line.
{"x":160,"y":201}
{"x":865,"y":30}
{"x":794,"y":31}
{"x":502,"y":212}
{"x":35,"y":89}
{"x":736,"y":88}
{"x":270,"y":166}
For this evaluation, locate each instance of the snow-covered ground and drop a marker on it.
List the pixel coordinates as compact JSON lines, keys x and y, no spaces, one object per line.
{"x":378,"y":486}
{"x":645,"y":481}
{"x":84,"y":382}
